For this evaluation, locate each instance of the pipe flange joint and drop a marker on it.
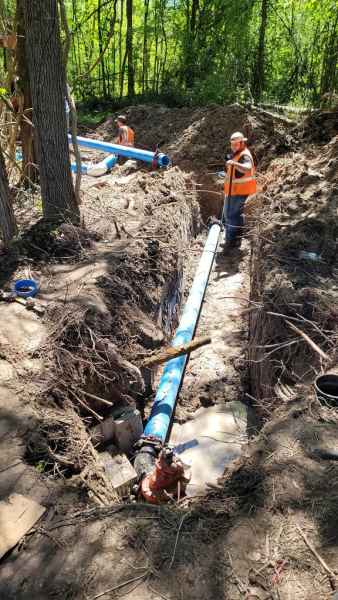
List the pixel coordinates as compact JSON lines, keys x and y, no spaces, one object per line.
{"x":151,"y":441}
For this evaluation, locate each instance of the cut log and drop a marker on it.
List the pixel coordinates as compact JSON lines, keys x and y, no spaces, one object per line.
{"x":174,"y":352}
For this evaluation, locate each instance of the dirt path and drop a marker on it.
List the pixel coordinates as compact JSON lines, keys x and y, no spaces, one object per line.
{"x":210,"y":375}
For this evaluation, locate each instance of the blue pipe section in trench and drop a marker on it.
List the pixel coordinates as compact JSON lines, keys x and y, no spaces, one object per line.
{"x":163,"y":408}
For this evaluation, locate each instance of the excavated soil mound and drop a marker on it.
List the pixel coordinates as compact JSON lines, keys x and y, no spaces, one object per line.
{"x":126,"y":309}
{"x":294,"y":261}
{"x":111,"y":292}
{"x":195,"y":138}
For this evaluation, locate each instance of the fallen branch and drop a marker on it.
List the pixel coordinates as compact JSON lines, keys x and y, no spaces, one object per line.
{"x":99,"y":418}
{"x":176,"y":540}
{"x":119,"y":586}
{"x":174,"y":352}
{"x":331,"y":574}
{"x":103,"y":400}
{"x":308,"y":340}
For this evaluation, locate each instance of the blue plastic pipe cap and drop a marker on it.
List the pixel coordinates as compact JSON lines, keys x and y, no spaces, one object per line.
{"x":26,"y":288}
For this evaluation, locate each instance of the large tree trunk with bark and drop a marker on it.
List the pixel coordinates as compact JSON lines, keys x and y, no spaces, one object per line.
{"x":7,"y":219}
{"x":48,"y":86}
{"x":29,"y":159}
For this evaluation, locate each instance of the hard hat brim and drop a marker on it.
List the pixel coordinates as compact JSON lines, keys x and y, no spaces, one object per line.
{"x":239,"y":139}
{"x":238,"y":135}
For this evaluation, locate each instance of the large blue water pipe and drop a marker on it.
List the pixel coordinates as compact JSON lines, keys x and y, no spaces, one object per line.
{"x":160,"y":159}
{"x":158,"y":425}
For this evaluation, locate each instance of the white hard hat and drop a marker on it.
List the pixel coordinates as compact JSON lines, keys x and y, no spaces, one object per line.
{"x":238,"y":136}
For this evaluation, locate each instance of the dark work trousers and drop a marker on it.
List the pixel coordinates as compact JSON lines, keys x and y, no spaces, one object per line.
{"x":233,"y":218}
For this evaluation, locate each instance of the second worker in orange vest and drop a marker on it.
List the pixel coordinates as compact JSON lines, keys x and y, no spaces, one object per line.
{"x":125,"y":134}
{"x":240,"y":182}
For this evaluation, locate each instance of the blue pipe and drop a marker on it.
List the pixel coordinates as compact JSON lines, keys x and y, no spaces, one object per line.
{"x":102,"y":167}
{"x":99,"y":169}
{"x":162,"y":160}
{"x":84,"y":168}
{"x":164,"y":404}
{"x":110,"y":161}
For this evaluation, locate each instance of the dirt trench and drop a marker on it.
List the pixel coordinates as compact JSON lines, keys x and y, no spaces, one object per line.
{"x":242,"y":540}
{"x":113,"y":301}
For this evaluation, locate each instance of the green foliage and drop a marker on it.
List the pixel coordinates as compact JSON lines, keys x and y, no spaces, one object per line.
{"x":199,"y":51}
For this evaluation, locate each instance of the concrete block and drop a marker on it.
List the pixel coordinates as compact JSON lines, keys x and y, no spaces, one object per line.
{"x":128,"y":429}
{"x":103,"y":432}
{"x":118,"y":470}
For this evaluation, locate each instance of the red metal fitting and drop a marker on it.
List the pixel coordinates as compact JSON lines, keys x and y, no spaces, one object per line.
{"x":168,"y":479}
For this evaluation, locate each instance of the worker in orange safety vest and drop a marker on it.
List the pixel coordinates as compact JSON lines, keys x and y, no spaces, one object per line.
{"x":240,"y":182}
{"x":125,"y":134}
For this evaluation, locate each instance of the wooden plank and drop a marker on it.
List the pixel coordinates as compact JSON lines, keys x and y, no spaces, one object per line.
{"x":18,"y":514}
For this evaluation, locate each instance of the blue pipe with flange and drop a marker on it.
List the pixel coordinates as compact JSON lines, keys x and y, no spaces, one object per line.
{"x":158,"y":424}
{"x":160,"y":159}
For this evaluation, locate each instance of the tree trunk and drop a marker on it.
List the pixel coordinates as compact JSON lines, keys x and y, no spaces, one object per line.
{"x":7,"y":219}
{"x":145,"y":47}
{"x":121,"y":58}
{"x":190,"y":69}
{"x":259,"y":70}
{"x":29,"y":159}
{"x":102,"y":63}
{"x":129,"y":48}
{"x":48,"y":86}
{"x":70,"y":101}
{"x":329,"y":68}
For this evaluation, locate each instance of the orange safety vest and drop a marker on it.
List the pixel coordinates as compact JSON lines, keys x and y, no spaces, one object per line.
{"x":245,"y":184}
{"x":130,"y":136}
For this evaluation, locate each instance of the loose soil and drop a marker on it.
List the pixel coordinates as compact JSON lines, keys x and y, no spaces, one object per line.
{"x":109,"y":293}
